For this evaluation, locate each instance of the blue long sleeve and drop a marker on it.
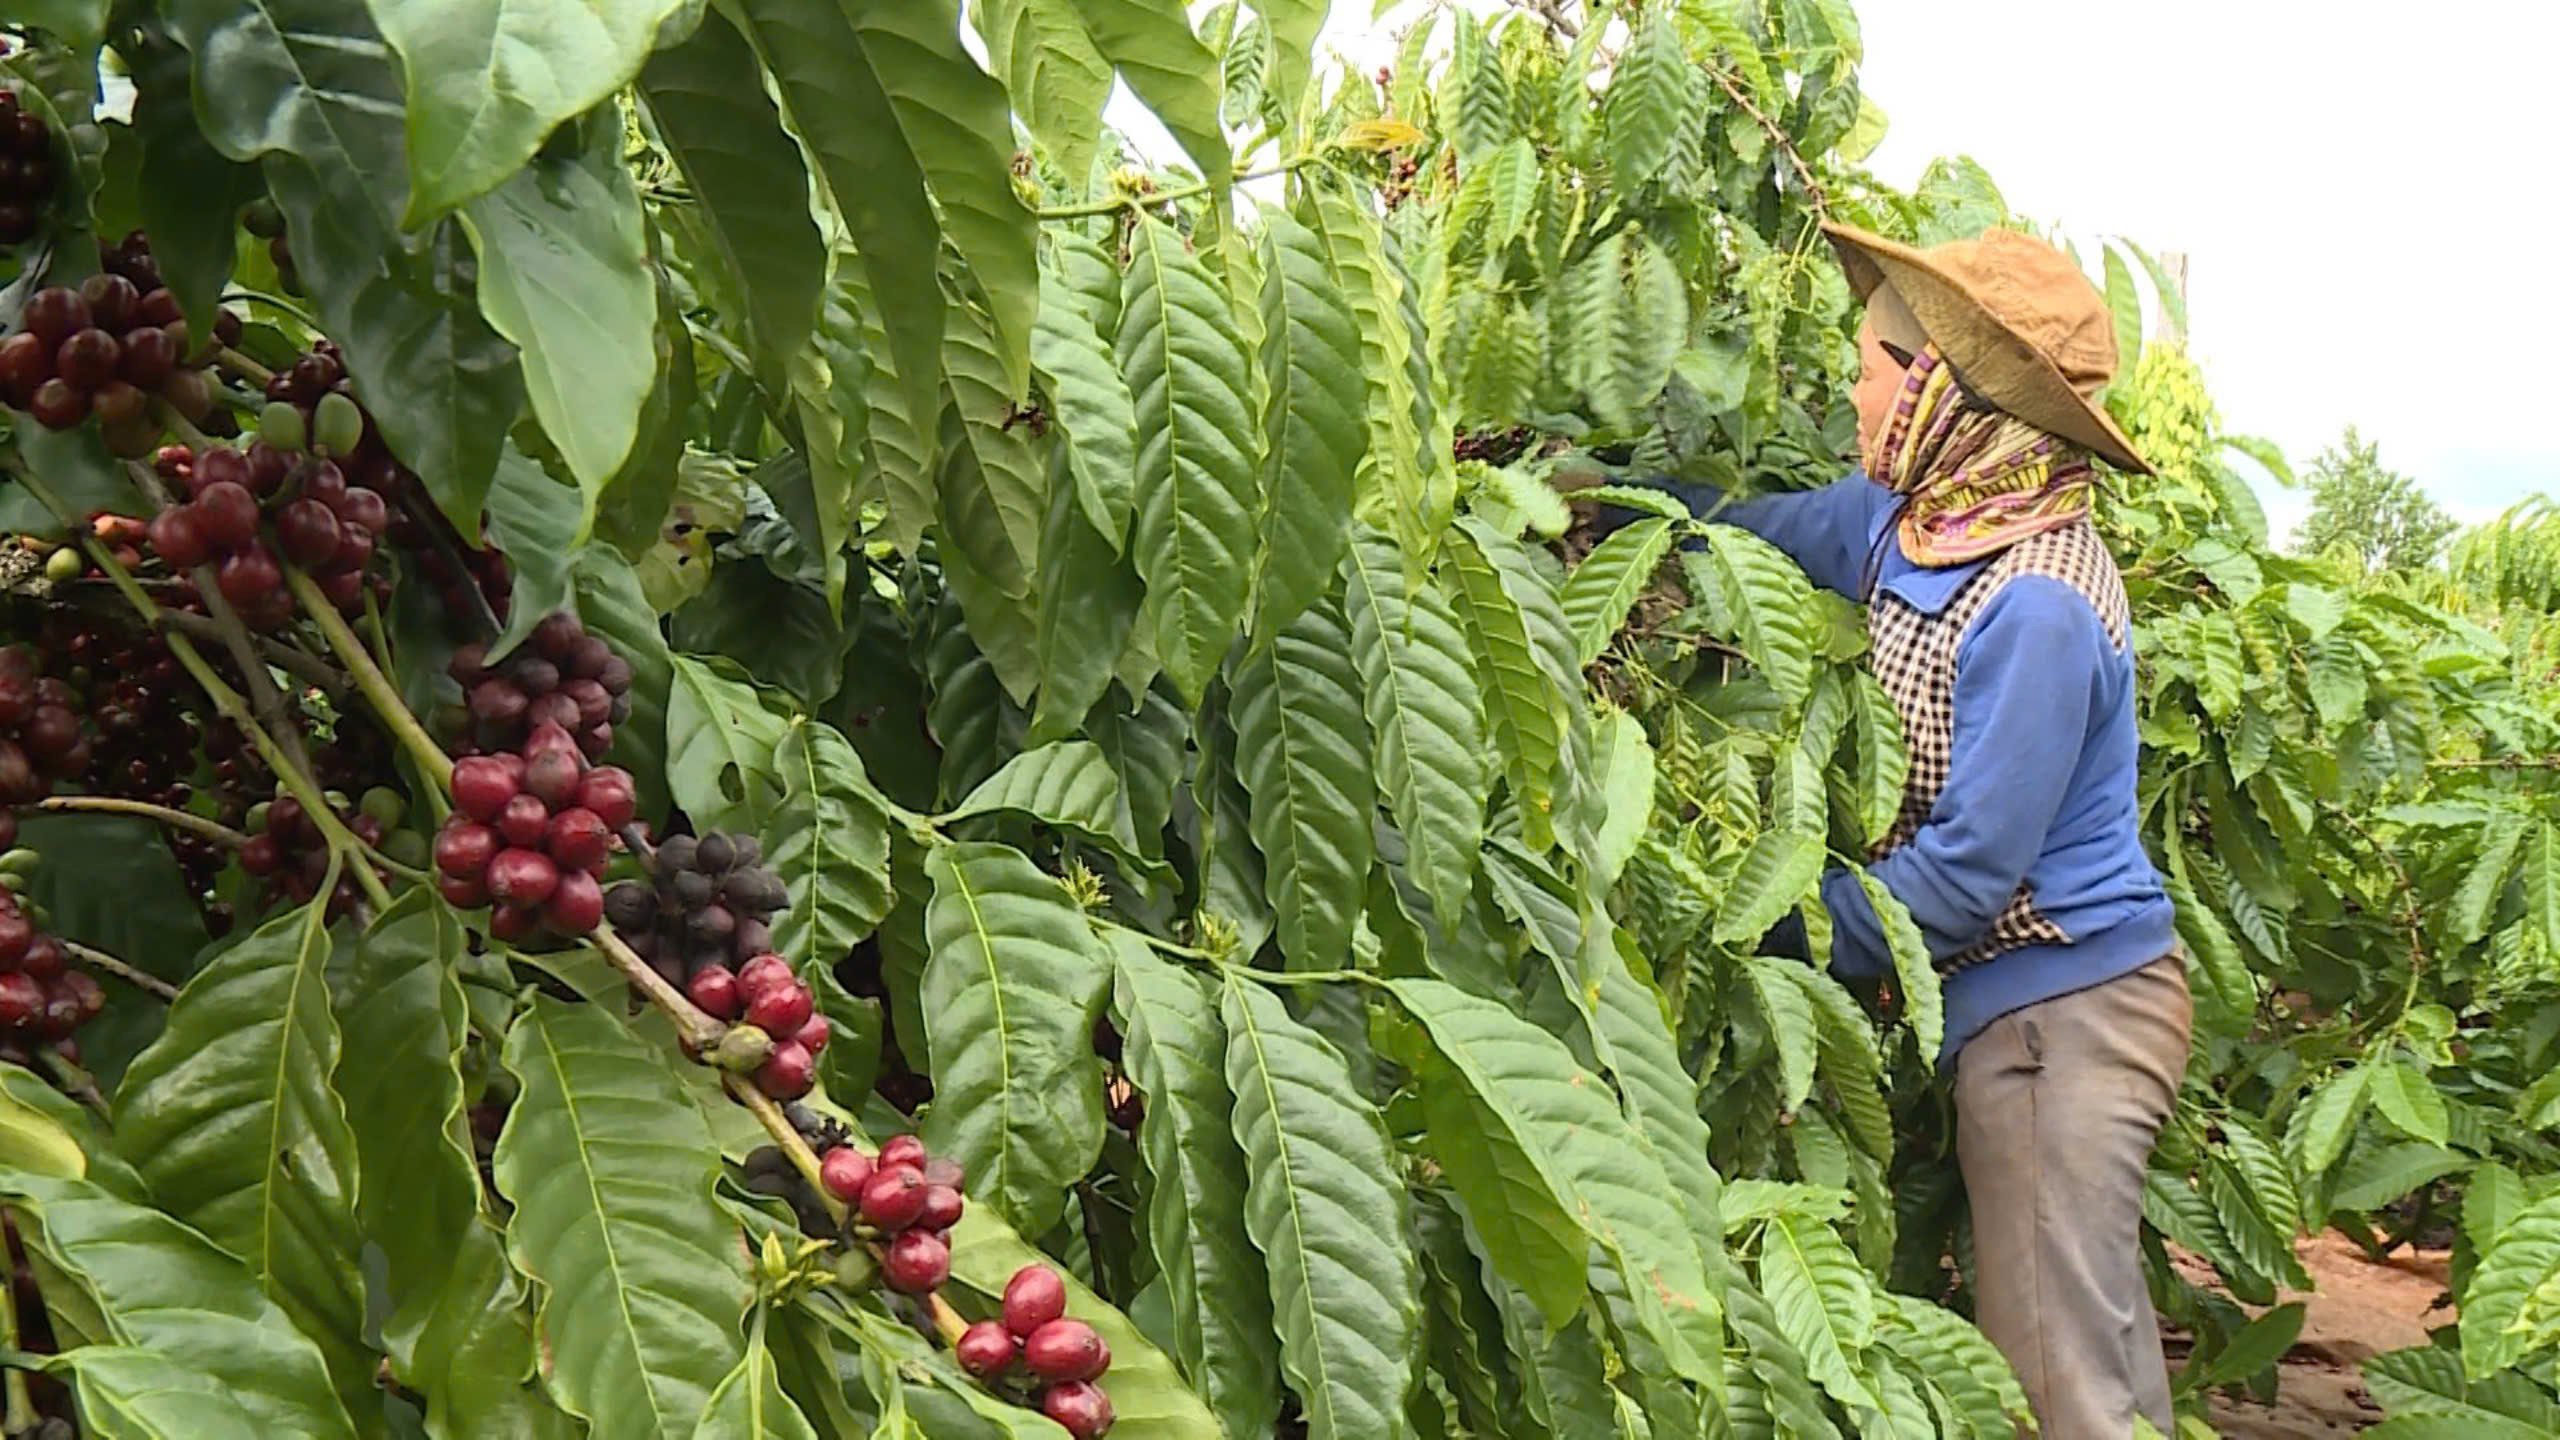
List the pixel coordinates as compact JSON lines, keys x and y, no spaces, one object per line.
{"x":1827,"y":532}
{"x":2029,"y":678}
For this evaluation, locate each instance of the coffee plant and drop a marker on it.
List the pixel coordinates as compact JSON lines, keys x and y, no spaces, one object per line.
{"x":610,"y":601}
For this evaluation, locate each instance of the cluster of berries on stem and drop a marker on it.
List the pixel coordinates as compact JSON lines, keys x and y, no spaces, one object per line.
{"x":109,"y":347}
{"x":703,"y":922}
{"x":42,"y":999}
{"x":42,"y":739}
{"x":562,"y":677}
{"x":319,"y":522}
{"x":27,"y":169}
{"x":1062,"y":1358}
{"x":530,"y":834}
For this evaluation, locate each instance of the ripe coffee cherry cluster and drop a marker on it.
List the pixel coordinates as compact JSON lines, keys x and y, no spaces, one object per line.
{"x":41,"y":1000}
{"x":27,"y":170}
{"x":530,"y":834}
{"x":910,"y":1198}
{"x":1063,"y":1357}
{"x":321,"y":524}
{"x":703,"y":921}
{"x":41,"y":737}
{"x":563,"y":676}
{"x":106,"y":349}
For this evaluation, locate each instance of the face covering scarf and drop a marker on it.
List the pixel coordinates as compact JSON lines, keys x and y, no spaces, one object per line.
{"x":1974,"y":480}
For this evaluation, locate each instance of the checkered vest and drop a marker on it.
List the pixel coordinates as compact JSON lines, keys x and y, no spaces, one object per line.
{"x":1914,"y":657}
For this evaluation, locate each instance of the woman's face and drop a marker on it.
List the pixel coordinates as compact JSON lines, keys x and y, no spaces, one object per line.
{"x":1879,"y":380}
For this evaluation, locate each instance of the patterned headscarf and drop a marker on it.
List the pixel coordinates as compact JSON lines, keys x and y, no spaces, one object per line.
{"x":1975,"y":479}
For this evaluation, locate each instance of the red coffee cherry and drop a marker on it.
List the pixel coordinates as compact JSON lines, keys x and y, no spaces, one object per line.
{"x":904,"y":1150}
{"x":525,"y":878}
{"x":1032,"y":1298}
{"x":576,"y":905}
{"x":1066,"y":1350}
{"x":917,"y":1263}
{"x":465,"y":849}
{"x":763,"y":973}
{"x":1079,"y":1407}
{"x":779,"y":1009}
{"x":893,"y":1197}
{"x":788,"y":1073}
{"x":607,"y":790}
{"x":844,"y":1171}
{"x":482,"y":787}
{"x":714,"y":991}
{"x":578,"y":840}
{"x":986,"y":1349}
{"x":942,"y":1208}
{"x":524,"y":820}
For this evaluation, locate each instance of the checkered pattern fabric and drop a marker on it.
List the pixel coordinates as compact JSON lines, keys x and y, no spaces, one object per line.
{"x":1914,"y":658}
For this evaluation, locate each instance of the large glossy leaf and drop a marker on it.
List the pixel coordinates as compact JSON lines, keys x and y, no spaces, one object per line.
{"x":612,"y":605}
{"x":1635,"y":1045}
{"x":2408,"y":1100}
{"x":1544,"y":1112}
{"x":1778,"y":871}
{"x":900,"y":429}
{"x":1052,"y":73}
{"x":1196,"y":484}
{"x":1958,"y":1360}
{"x":487,"y":80}
{"x":1768,"y":602}
{"x":130,"y":1393}
{"x":1093,"y":406}
{"x":1314,"y":422}
{"x":1423,"y":717}
{"x":1090,"y":599}
{"x":232,"y":1122}
{"x":1527,"y":711}
{"x":1605,"y":586}
{"x":1651,"y":95}
{"x":1821,"y":1301}
{"x":1151,"y":44}
{"x":1068,"y":784}
{"x":159,"y":1286}
{"x":564,"y":274}
{"x":189,"y":192}
{"x":709,"y":104}
{"x":1324,"y":1203}
{"x":2324,"y":1120}
{"x":1303,"y":753}
{"x":829,"y":841}
{"x":455,"y":1328}
{"x":610,"y":1169}
{"x":834,"y":97}
{"x":305,"y":78}
{"x":1195,"y":1188}
{"x":1011,"y":988}
{"x":2515,"y":1266}
{"x":720,"y":745}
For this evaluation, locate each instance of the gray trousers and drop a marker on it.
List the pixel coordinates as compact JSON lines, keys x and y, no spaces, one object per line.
{"x":2057,"y":1106}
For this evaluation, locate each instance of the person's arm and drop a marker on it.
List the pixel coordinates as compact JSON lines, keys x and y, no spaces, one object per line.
{"x":2027,"y":680}
{"x":1827,"y":532}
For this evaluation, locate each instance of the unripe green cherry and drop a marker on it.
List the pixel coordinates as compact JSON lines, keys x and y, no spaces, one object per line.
{"x":282,"y":427}
{"x":742,"y":1050}
{"x":18,"y":861}
{"x":64,"y":565}
{"x":406,"y":846}
{"x":256,"y":820}
{"x":337,"y":426}
{"x":385,"y":805}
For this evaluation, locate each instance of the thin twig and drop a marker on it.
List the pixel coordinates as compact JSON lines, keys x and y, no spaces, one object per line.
{"x":242,"y":367}
{"x":1777,"y":136}
{"x":75,"y":1082}
{"x":188,"y":820}
{"x":698,"y":1029}
{"x":264,"y":698}
{"x":302,"y":664}
{"x":1152,"y":198}
{"x":388,"y":707}
{"x":104,"y":963}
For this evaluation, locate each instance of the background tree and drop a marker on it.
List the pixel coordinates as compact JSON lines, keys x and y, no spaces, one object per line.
{"x":2377,"y":512}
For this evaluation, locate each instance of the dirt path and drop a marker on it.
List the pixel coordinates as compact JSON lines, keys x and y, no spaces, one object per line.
{"x":2355,"y":1310}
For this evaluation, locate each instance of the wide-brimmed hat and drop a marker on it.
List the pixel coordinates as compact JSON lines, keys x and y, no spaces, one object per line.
{"x":2023,"y":327}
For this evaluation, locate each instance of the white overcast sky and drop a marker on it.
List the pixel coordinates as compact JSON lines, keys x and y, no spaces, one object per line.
{"x":2357,"y":186}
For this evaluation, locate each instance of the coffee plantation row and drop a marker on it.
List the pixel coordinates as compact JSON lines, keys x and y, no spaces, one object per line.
{"x":714,"y":726}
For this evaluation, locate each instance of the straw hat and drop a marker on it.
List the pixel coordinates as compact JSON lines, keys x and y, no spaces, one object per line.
{"x":2023,"y":327}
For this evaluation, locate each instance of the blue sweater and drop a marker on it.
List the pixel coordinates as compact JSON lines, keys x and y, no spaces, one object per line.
{"x":2040,"y":788}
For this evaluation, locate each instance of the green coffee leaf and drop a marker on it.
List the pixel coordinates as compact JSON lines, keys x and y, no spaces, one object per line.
{"x":610,"y":1167}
